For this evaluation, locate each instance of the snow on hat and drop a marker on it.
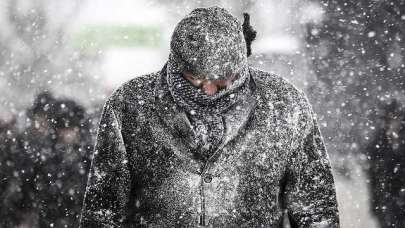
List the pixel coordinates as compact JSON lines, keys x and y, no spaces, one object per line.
{"x":209,"y":43}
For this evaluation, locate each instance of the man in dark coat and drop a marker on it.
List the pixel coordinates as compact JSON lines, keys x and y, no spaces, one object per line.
{"x":209,"y":142}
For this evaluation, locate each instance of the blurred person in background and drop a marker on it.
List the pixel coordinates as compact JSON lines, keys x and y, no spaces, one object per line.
{"x":209,"y":141}
{"x":37,"y":138}
{"x":387,"y":168}
{"x":57,"y":143}
{"x":61,"y":173}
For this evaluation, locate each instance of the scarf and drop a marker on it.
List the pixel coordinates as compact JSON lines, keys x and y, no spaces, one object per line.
{"x":206,"y":113}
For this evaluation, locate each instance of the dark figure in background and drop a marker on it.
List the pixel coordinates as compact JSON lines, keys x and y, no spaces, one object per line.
{"x":58,"y":144}
{"x":20,"y":151}
{"x":387,"y":169}
{"x":35,"y":140}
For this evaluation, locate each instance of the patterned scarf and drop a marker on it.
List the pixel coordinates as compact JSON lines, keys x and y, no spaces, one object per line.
{"x":206,"y":113}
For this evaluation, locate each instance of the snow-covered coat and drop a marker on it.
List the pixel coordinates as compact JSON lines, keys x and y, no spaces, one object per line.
{"x":143,"y":174}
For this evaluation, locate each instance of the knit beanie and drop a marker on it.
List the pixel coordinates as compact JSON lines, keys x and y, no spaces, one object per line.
{"x":208,"y":43}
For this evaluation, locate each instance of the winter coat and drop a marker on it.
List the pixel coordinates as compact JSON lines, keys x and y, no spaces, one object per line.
{"x":143,"y":174}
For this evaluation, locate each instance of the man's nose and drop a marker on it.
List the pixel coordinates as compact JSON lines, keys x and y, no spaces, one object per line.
{"x":209,"y":88}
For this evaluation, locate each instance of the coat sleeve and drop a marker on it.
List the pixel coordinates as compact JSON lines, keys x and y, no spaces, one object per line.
{"x":310,"y":194}
{"x":108,"y":185}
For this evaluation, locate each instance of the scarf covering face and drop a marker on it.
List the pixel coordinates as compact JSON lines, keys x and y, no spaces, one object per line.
{"x":208,"y":43}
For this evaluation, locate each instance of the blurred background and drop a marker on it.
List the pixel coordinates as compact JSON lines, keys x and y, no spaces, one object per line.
{"x":60,"y":60}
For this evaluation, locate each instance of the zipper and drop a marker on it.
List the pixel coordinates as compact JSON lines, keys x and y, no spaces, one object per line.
{"x":202,"y":195}
{"x":203,"y":171}
{"x":202,"y":176}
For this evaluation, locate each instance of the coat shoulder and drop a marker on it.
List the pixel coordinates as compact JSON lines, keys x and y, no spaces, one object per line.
{"x":273,"y":86}
{"x":135,"y":92}
{"x":277,"y":93}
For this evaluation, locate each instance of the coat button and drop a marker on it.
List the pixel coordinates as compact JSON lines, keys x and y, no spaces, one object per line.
{"x":207,"y":178}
